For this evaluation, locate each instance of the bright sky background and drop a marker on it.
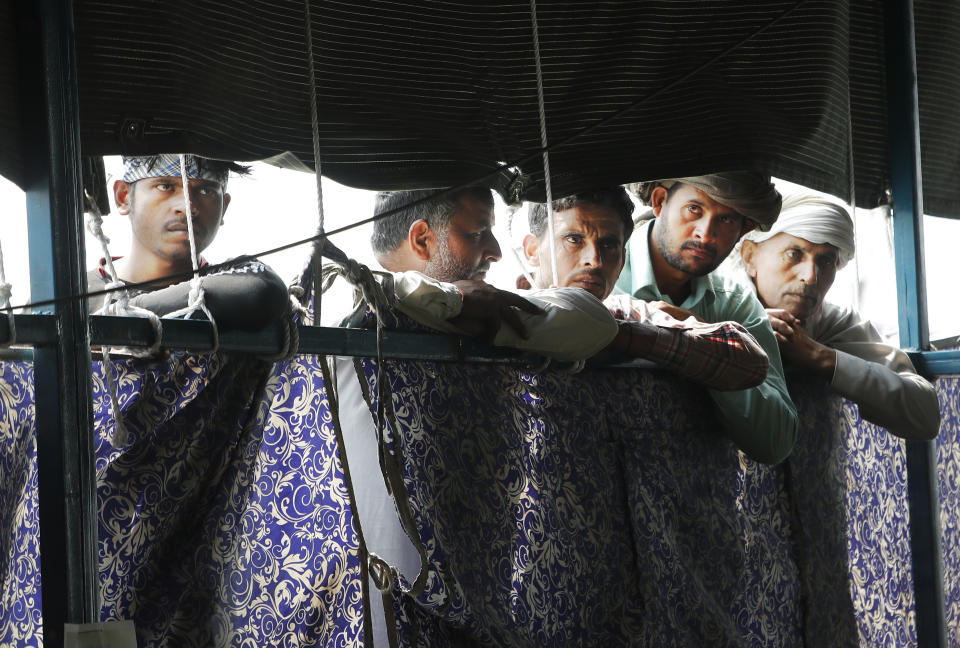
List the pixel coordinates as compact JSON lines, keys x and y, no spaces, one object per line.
{"x":275,"y":206}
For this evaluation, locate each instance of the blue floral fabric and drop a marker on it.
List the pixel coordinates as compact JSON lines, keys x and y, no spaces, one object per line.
{"x":590,"y":509}
{"x":948,"y":468}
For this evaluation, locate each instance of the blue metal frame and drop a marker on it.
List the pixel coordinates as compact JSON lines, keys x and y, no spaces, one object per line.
{"x":937,"y":363}
{"x":903,"y":123}
{"x":64,"y":418}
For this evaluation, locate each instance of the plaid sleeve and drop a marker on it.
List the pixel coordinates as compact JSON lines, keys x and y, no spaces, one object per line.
{"x":722,"y":356}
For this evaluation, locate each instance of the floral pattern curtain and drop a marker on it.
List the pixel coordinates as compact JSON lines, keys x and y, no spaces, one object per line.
{"x":556,"y":509}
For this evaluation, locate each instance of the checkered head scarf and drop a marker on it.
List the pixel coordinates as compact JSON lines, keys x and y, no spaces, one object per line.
{"x":168,"y":165}
{"x":816,"y":220}
{"x":749,"y":193}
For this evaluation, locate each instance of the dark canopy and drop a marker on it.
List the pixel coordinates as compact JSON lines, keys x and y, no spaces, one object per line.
{"x":434,"y":93}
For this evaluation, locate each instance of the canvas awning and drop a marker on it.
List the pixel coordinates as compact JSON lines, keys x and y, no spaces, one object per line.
{"x":431,"y":94}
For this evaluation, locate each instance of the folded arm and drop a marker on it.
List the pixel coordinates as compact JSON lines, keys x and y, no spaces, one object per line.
{"x":880,"y":379}
{"x":721,"y":356}
{"x":903,"y":402}
{"x":562,"y":323}
{"x":246,"y":298}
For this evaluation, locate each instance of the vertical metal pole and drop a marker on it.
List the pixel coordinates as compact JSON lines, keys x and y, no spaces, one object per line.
{"x":64,"y":419}
{"x":907,"y":187}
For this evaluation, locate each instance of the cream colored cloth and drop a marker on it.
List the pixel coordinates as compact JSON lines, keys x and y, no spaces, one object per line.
{"x":575,"y":326}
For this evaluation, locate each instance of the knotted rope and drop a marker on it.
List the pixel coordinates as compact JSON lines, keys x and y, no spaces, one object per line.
{"x":196,"y":298}
{"x":118,"y":303}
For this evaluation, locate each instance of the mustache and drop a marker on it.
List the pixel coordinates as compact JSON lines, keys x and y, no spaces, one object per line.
{"x":483,"y":268}
{"x":696,"y":245}
{"x":181,"y":223}
{"x":588,"y":274}
{"x":806,"y":290}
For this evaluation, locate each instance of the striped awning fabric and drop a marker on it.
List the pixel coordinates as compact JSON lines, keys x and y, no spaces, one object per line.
{"x":432,"y":93}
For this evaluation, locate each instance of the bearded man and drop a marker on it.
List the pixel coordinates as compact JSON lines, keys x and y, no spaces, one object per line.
{"x":671,"y":258}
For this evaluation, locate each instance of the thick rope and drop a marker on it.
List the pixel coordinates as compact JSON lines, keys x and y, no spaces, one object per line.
{"x":6,"y":290}
{"x":196,"y":299}
{"x":543,"y":144}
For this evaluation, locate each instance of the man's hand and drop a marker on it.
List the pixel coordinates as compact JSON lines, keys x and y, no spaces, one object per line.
{"x":675,"y":312}
{"x":797,"y":347}
{"x":485,"y":308}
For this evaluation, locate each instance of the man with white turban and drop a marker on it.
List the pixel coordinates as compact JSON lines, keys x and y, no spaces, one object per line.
{"x":792,"y":266}
{"x":670,"y":259}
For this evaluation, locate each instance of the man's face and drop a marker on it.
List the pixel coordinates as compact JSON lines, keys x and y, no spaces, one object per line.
{"x":158,"y":214}
{"x":693,"y":232}
{"x":590,"y":242}
{"x":791,"y":273}
{"x":466,"y":247}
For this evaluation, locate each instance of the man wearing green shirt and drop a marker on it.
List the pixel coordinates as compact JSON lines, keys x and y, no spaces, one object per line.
{"x":697,"y":221}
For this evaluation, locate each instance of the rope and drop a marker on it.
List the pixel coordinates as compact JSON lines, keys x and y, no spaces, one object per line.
{"x":383,"y":576}
{"x":521,"y":261}
{"x":333,"y":402}
{"x":543,"y":144}
{"x":120,"y":306}
{"x":853,"y":196}
{"x":369,"y":292}
{"x":392,"y":460}
{"x":315,"y":128}
{"x":380,"y":297}
{"x":196,"y":298}
{"x":6,"y":290}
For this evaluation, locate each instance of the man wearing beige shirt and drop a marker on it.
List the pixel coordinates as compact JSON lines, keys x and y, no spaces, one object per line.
{"x":792,"y":267}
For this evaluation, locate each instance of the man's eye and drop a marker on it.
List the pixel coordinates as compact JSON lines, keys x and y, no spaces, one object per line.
{"x":827,"y":263}
{"x":694,"y":209}
{"x":205,"y":191}
{"x":164,"y":186}
{"x":572,"y":238}
{"x":795,"y":255}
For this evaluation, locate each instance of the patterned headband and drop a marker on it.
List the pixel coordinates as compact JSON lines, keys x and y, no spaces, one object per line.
{"x":167,"y":165}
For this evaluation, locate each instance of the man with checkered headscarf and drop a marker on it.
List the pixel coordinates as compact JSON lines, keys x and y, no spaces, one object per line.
{"x":246,"y":297}
{"x":792,"y":266}
{"x":670,"y":261}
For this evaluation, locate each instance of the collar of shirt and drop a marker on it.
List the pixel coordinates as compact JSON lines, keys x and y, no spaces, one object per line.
{"x":102,"y":266}
{"x":643,"y":283}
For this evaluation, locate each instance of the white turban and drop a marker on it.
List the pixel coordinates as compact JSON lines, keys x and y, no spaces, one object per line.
{"x":816,"y":220}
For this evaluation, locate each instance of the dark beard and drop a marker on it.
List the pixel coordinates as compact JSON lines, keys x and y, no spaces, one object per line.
{"x":678,"y":263}
{"x":445,"y":267}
